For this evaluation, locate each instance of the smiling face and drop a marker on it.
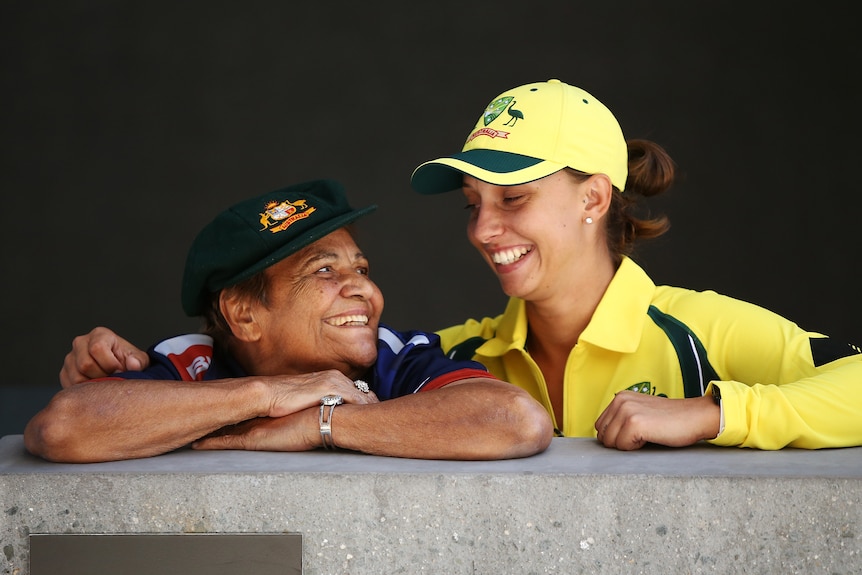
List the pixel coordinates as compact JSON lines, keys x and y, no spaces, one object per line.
{"x":532,"y":235}
{"x":322,"y":311}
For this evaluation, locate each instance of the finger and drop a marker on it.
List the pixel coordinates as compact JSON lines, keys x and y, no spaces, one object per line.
{"x":610,"y":424}
{"x":80,"y":365}
{"x":333,"y":382}
{"x":357,"y":397}
{"x":629,"y":439}
{"x":607,"y":435}
{"x":111,"y":352}
{"x":601,"y":423}
{"x":135,"y":360}
{"x":217,"y":442}
{"x":604,"y":421}
{"x":99,"y":358}
{"x":625,"y":430}
{"x":69,"y":373}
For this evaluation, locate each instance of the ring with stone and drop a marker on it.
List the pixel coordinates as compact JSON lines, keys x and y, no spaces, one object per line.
{"x":361,"y":386}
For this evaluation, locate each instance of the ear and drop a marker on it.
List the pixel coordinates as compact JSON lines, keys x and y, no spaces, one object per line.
{"x":239,"y":313}
{"x":598,"y":191}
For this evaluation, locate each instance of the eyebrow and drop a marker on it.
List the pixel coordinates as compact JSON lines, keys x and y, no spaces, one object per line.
{"x":319,"y":256}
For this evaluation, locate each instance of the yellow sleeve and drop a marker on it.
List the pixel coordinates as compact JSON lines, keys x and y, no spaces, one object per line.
{"x":782,"y":386}
{"x":824,"y":410}
{"x":456,"y":334}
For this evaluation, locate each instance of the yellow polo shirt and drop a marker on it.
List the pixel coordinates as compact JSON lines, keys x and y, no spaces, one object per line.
{"x":780,"y":385}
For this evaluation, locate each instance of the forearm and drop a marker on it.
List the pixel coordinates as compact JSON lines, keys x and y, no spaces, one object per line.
{"x":112,"y":420}
{"x":817,"y":412}
{"x":475,"y":420}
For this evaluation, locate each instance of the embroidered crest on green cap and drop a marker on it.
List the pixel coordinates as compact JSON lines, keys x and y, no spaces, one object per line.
{"x":275,"y":212}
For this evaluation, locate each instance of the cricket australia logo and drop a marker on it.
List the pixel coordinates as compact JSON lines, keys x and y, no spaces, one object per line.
{"x":498,"y":106}
{"x":492,"y":112}
{"x":645,"y":388}
{"x":495,"y":108}
{"x":278,"y":216}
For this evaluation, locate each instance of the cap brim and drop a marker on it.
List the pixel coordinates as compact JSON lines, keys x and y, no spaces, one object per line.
{"x":492,"y":166}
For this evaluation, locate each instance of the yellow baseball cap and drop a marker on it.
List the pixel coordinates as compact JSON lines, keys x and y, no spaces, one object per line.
{"x":530,"y":132}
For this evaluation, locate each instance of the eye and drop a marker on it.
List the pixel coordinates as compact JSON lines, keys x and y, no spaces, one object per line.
{"x":363,"y":270}
{"x":324,"y":270}
{"x":512,"y":199}
{"x":473,"y":201}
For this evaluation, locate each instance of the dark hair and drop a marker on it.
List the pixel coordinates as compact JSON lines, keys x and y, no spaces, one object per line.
{"x":651,"y":172}
{"x":215,"y":325}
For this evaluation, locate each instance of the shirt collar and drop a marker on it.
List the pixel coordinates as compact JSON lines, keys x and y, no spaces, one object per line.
{"x":616,"y":324}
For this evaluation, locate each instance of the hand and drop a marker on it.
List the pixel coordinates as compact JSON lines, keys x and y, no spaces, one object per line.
{"x":634,"y":419}
{"x":293,"y":423}
{"x":292,"y":393}
{"x":99,"y":354}
{"x":296,"y":432}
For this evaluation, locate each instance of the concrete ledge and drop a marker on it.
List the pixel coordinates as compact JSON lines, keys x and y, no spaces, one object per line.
{"x":577,"y":508}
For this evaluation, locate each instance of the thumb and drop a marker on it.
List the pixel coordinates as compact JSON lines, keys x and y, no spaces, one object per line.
{"x":136,"y":360}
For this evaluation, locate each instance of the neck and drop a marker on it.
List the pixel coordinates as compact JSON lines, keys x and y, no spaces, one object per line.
{"x":556,"y":322}
{"x":243,"y":355}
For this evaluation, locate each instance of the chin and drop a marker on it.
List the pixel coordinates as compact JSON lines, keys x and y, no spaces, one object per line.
{"x":511,"y":289}
{"x":365,"y":360}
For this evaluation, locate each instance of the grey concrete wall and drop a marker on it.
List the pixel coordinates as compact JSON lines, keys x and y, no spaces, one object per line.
{"x":577,"y":508}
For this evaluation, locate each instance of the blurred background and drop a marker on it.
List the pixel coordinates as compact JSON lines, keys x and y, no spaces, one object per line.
{"x":126,"y":126}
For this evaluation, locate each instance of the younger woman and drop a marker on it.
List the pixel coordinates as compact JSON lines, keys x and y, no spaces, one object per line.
{"x":552,"y":187}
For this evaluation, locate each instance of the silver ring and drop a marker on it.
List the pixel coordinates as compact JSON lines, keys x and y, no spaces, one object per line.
{"x":361,"y":386}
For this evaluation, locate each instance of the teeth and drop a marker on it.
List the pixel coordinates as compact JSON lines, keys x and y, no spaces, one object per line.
{"x":348,"y":319}
{"x":509,"y":256}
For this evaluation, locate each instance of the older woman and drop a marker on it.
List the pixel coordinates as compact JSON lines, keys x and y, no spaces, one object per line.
{"x":294,"y":358}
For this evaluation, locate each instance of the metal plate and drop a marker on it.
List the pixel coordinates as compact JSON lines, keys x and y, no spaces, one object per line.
{"x":166,"y":554}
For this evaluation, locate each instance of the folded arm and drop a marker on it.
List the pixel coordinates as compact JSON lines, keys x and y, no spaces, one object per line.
{"x":108,"y":420}
{"x":475,"y":418}
{"x":472,"y":419}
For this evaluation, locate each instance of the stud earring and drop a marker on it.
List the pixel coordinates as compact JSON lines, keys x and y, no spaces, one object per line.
{"x":588,"y":220}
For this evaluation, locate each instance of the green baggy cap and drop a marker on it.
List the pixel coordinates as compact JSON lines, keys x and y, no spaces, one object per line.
{"x":257,"y":233}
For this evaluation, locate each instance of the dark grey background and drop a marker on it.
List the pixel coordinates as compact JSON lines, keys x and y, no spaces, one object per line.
{"x":126,"y":126}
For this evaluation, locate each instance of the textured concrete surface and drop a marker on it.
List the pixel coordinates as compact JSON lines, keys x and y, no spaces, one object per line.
{"x":577,"y":508}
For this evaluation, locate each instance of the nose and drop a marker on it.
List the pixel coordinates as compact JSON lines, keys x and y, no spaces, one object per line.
{"x":485,"y":225}
{"x":358,"y":285}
